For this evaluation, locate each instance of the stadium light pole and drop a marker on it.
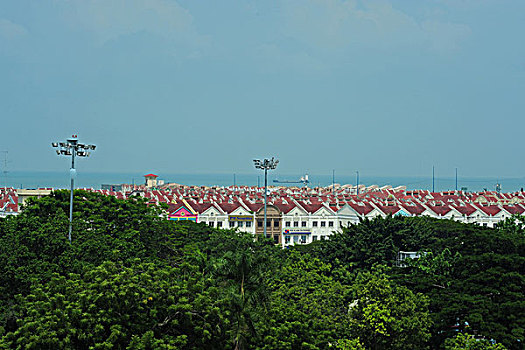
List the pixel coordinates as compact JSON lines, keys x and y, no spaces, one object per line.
{"x":266,"y":164}
{"x":74,"y":149}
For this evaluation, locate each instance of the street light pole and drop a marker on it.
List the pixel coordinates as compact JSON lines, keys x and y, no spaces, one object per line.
{"x":265,"y":196}
{"x":72,"y":175}
{"x":266,"y":164}
{"x":72,"y":148}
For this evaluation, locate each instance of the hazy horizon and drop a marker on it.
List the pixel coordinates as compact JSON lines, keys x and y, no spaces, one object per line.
{"x":60,"y":179}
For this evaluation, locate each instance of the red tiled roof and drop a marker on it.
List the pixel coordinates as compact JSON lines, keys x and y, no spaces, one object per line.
{"x":199,"y":207}
{"x":362,"y":209}
{"x":228,"y":207}
{"x":490,"y":210}
{"x":284,"y":207}
{"x":310,"y":207}
{"x":254,"y":207}
{"x":173,"y":207}
{"x":413,"y":207}
{"x":514,"y":209}
{"x":387,"y":209}
{"x":440,"y":210}
{"x":465,"y":209}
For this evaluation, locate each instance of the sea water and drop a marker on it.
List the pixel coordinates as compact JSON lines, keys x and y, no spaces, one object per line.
{"x":39,"y":179}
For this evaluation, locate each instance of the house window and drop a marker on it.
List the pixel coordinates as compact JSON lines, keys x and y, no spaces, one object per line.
{"x":303,"y":239}
{"x":276,"y":239}
{"x":287,"y":224}
{"x":330,"y":224}
{"x":275,"y":223}
{"x":303,"y":224}
{"x":232,"y":223}
{"x":268,"y":223}
{"x":287,"y":239}
{"x":259,"y":223}
{"x":323,"y":223}
{"x":314,"y":223}
{"x":240,"y":224}
{"x":248,"y":224}
{"x":212,"y":224}
{"x":314,"y":238}
{"x":296,"y":224}
{"x":219,"y":224}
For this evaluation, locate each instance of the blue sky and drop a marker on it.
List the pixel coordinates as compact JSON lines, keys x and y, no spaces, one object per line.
{"x":388,"y":88}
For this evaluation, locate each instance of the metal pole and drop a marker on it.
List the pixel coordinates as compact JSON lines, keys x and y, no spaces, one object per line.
{"x":357,"y":182}
{"x":333,"y":181}
{"x":265,"y":194}
{"x":433,"y":179}
{"x":71,"y":193}
{"x":456,"y":179}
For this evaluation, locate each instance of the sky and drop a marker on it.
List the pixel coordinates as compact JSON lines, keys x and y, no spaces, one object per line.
{"x":389,"y":88}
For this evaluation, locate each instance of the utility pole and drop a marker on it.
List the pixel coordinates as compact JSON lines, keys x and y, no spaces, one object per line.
{"x":333,"y":181}
{"x":456,"y":179}
{"x":72,"y":148}
{"x":357,"y":178}
{"x":433,"y":179}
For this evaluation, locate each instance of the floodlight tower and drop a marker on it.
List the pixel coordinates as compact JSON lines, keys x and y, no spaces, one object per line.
{"x":266,"y":164}
{"x":72,"y":148}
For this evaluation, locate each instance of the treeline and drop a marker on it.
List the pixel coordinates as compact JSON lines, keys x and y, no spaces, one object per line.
{"x":133,"y":280}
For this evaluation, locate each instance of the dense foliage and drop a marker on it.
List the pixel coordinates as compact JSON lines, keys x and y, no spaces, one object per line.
{"x":133,"y":280}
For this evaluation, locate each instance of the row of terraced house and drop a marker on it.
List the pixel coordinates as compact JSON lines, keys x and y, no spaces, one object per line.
{"x":303,"y":215}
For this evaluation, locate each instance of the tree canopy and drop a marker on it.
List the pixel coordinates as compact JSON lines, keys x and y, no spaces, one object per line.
{"x":131,"y":279}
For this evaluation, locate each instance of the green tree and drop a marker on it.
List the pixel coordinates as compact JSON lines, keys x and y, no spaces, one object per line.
{"x":113,"y":306}
{"x":467,"y":341}
{"x":387,"y":316}
{"x":308,"y":307}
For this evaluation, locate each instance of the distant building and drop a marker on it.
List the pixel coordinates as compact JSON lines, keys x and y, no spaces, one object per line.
{"x":24,"y":194}
{"x":301,"y":215}
{"x":273,"y":223}
{"x":116,"y":188}
{"x":151,"y":180}
{"x":403,"y":256}
{"x":182,"y":211}
{"x":8,"y":202}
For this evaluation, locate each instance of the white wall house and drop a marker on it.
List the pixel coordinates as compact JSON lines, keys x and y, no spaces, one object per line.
{"x":242,"y":219}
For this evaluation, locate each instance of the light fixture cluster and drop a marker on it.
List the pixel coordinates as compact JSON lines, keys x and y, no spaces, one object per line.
{"x":71,"y":145}
{"x":267,"y":164}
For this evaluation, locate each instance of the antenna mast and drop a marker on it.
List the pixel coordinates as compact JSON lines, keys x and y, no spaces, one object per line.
{"x":5,"y":171}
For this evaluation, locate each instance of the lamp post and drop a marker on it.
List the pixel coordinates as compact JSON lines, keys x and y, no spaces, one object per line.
{"x":357,"y":183}
{"x":266,"y":164}
{"x":72,"y":148}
